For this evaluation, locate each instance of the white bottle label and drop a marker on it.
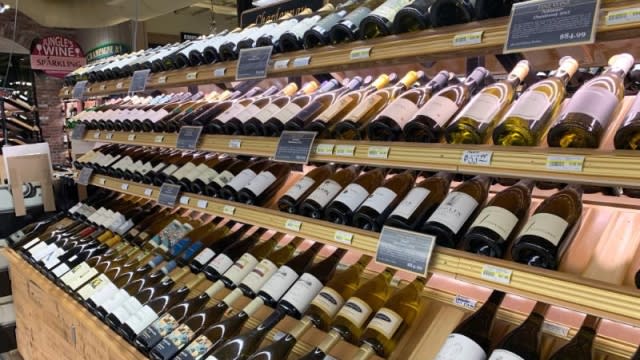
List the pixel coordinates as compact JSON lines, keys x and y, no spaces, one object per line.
{"x":287,"y":112}
{"x":597,"y":102}
{"x":390,"y":8}
{"x":94,"y":287}
{"x":261,"y":182}
{"x":207,"y":176}
{"x":141,"y":319}
{"x":169,"y":170}
{"x":380,"y":199}
{"x":356,"y":311}
{"x":127,"y":309}
{"x":386,"y":322}
{"x":241,"y":268}
{"x":300,"y":187}
{"x":440,"y":109}
{"x":352,"y":196}
{"x":248,"y":113}
{"x":205,"y":256}
{"x":458,"y":347}
{"x":280,"y":282}
{"x":498,"y":219}
{"x":114,"y":302}
{"x":105,"y":293}
{"x":401,"y":110}
{"x":260,"y":275}
{"x":303,"y":291}
{"x":329,"y":301}
{"x":454,"y":210}
{"x":532,"y":105}
{"x":31,"y":243}
{"x":500,"y":354}
{"x":77,"y":271}
{"x":223,"y":178}
{"x":267,"y":112}
{"x":242,"y":179}
{"x":231,"y":112}
{"x":482,"y":108}
{"x":410,"y":203}
{"x":547,"y":226}
{"x":61,"y":270}
{"x":325,"y":192}
{"x":79,"y":280}
{"x":37,"y":248}
{"x":221,"y":263}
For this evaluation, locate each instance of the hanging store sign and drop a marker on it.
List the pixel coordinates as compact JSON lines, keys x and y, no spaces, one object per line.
{"x":56,"y":55}
{"x":273,"y":12}
{"x":106,"y":50}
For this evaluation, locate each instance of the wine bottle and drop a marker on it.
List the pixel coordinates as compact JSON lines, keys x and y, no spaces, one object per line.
{"x":584,"y":120}
{"x":318,"y":34}
{"x":196,"y":245}
{"x":546,"y":235}
{"x":628,"y":135}
{"x":493,"y":229}
{"x":33,"y":230}
{"x":387,"y":126}
{"x":213,"y":188}
{"x":451,"y":219}
{"x":580,"y":346}
{"x":480,"y":115}
{"x":349,"y":28}
{"x":314,"y":205}
{"x":524,"y":340}
{"x":413,"y":17}
{"x":636,"y":355}
{"x":391,"y":322}
{"x":209,"y":253}
{"x":223,"y":261}
{"x":428,"y":124}
{"x":265,"y":184}
{"x":342,"y":208}
{"x":290,"y":201}
{"x":207,"y":176}
{"x":470,"y":339}
{"x":235,"y":125}
{"x":231,"y":189}
{"x":451,"y":12}
{"x":380,"y":21}
{"x":420,"y":202}
{"x":292,"y":39}
{"x":377,"y":207}
{"x":528,"y":118}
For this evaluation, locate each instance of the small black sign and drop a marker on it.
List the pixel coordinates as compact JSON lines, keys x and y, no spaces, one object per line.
{"x":295,"y":146}
{"x":78,"y":90}
{"x":184,"y":36}
{"x":139,"y":80}
{"x":188,"y":137}
{"x":79,"y":130}
{"x":261,"y":15}
{"x":85,"y":176}
{"x":405,"y":250}
{"x":168,"y":194}
{"x":551,"y":23}
{"x":252,"y":63}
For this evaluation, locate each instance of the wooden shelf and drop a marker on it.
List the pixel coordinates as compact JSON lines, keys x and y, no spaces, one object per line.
{"x":417,"y":47}
{"x":577,"y":293}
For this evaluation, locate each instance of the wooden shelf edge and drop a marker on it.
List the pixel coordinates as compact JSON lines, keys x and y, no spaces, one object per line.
{"x":553,"y":287}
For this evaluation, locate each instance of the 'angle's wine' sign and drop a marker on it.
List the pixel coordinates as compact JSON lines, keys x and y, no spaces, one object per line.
{"x":56,"y":55}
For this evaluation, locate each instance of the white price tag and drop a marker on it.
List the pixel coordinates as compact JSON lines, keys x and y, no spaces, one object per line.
{"x":471,"y":38}
{"x":465,"y":302}
{"x":158,"y":139}
{"x":235,"y":144}
{"x":293,"y":225}
{"x":625,"y":16}
{"x":565,"y":163}
{"x":343,"y":237}
{"x":119,"y":85}
{"x":131,"y":137}
{"x":148,"y":192}
{"x":362,"y":53}
{"x":219,"y":72}
{"x":103,"y":87}
{"x":281,"y":64}
{"x":324,"y":149}
{"x":124,"y":186}
{"x":496,"y":274}
{"x":228,"y":209}
{"x":184,"y":200}
{"x":109,"y":136}
{"x":192,"y":75}
{"x":345,"y":150}
{"x":202,"y":204}
{"x":301,"y":61}
{"x":102,"y":181}
{"x":555,"y":329}
{"x":162,"y":80}
{"x":472,"y":157}
{"x":378,"y":152}
{"x":96,"y":135}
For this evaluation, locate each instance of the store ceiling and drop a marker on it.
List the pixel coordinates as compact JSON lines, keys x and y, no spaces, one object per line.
{"x":100,"y":13}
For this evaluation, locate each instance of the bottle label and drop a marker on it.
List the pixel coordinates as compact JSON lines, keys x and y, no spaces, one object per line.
{"x":356,"y":311}
{"x":207,"y":176}
{"x":380,"y":199}
{"x":260,"y":275}
{"x":325,"y":192}
{"x":242,"y":179}
{"x":77,"y":271}
{"x":231,"y":112}
{"x":329,"y":301}
{"x":171,"y":234}
{"x":410,"y":203}
{"x":532,"y":105}
{"x":124,"y":227}
{"x":76,"y":282}
{"x":287,"y":112}
{"x":127,"y":309}
{"x":93,"y":287}
{"x":180,"y":336}
{"x":386,"y":322}
{"x":355,"y":17}
{"x":169,"y":170}
{"x":204,"y":256}
{"x":303,"y":291}
{"x":390,"y":8}
{"x":221,"y":263}
{"x":596,"y":102}
{"x":158,"y":167}
{"x":309,"y":111}
{"x":267,"y":112}
{"x":31,"y":243}
{"x":454,"y":210}
{"x":365,"y":107}
{"x":241,"y":268}
{"x":249,"y":112}
{"x":61,"y":270}
{"x":261,"y":182}
{"x":500,"y":354}
{"x":498,"y":219}
{"x":160,"y":328}
{"x":105,"y":294}
{"x":280,"y":282}
{"x":223,"y":178}
{"x":482,"y":108}
{"x":547,"y":226}
{"x":352,"y":196}
{"x":439,"y":109}
{"x":335,"y":109}
{"x":200,"y":346}
{"x":141,"y":319}
{"x":400,"y":110}
{"x":184,"y":170}
{"x":460,"y":347}
{"x":300,"y":188}
{"x":113,"y":303}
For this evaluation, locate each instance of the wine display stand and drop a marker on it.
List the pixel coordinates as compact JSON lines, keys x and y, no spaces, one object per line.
{"x":416,"y":47}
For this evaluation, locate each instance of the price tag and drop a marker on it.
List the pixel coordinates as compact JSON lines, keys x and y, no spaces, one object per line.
{"x":565,"y":163}
{"x":343,"y":237}
{"x":496,"y":274}
{"x":85,"y":176}
{"x":192,"y":75}
{"x":168,"y":194}
{"x":295,"y":146}
{"x":96,"y":135}
{"x":79,"y":131}
{"x":228,"y":209}
{"x":139,"y":80}
{"x":102,"y":181}
{"x":219,"y":72}
{"x":293,"y":225}
{"x":324,"y":149}
{"x":124,"y":186}
{"x":345,"y":150}
{"x":618,"y":17}
{"x":301,"y":61}
{"x":109,"y":136}
{"x":131,"y":137}
{"x":148,"y":192}
{"x":534,"y":25}
{"x":78,"y":90}
{"x":471,"y":38}
{"x":555,"y":329}
{"x":162,"y":80}
{"x":465,"y":302}
{"x":202,"y":204}
{"x":119,"y":85}
{"x":357,"y":54}
{"x":472,"y":157}
{"x":281,"y":64}
{"x":407,"y":250}
{"x":252,"y":63}
{"x":158,"y":139}
{"x":184,"y":200}
{"x":235,"y":144}
{"x":378,"y":152}
{"x":188,"y":137}
{"x":103,"y":87}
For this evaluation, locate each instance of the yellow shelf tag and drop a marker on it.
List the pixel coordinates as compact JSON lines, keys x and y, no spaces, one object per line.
{"x":378,"y":152}
{"x":228,"y":209}
{"x":343,"y":237}
{"x":565,"y":163}
{"x":496,"y":274}
{"x":471,"y":38}
{"x":293,"y":225}
{"x":345,"y":150}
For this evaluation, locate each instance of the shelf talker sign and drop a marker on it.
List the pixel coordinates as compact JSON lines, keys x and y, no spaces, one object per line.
{"x":56,"y":55}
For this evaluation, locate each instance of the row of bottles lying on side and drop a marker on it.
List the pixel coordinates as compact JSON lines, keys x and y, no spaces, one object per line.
{"x":332,"y":24}
{"x":412,"y":109}
{"x":111,"y":274}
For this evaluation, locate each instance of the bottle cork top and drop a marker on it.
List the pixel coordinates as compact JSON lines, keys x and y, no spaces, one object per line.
{"x":290,"y":89}
{"x":622,"y":61}
{"x":409,"y":78}
{"x":521,"y":70}
{"x":310,"y":87}
{"x":381,"y":81}
{"x":568,"y":65}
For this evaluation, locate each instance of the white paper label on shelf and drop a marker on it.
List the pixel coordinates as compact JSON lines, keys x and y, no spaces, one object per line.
{"x":454,"y":210}
{"x":119,"y":85}
{"x":219,"y":72}
{"x":345,"y":150}
{"x":625,"y":16}
{"x":501,"y":354}
{"x":380,"y":199}
{"x":440,"y":109}
{"x":386,"y":321}
{"x":228,"y":209}
{"x":162,"y":80}
{"x":109,"y":136}
{"x":498,"y":219}
{"x":531,"y":105}
{"x":303,"y":291}
{"x":300,"y":187}
{"x":352,"y":196}
{"x":281,"y":64}
{"x":471,"y":38}
{"x":301,"y":61}
{"x":102,"y":181}
{"x":260,"y":275}
{"x":102,"y":87}
{"x":235,"y":143}
{"x":280,"y":282}
{"x":293,"y":225}
{"x":411,"y":202}
{"x":192,"y":75}
{"x":362,"y":53}
{"x":124,"y":186}
{"x":465,"y":302}
{"x":131,"y":137}
{"x":261,"y":182}
{"x":158,"y":139}
{"x":96,"y":135}
{"x":378,"y":152}
{"x":325,"y":192}
{"x":473,"y":157}
{"x":202,"y":204}
{"x":496,"y":274}
{"x":343,"y":237}
{"x":555,"y":329}
{"x":356,"y":310}
{"x":460,"y":347}
{"x":565,"y":163}
{"x":324,"y":149}
{"x":547,"y":226}
{"x":184,"y":200}
{"x":148,"y":192}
